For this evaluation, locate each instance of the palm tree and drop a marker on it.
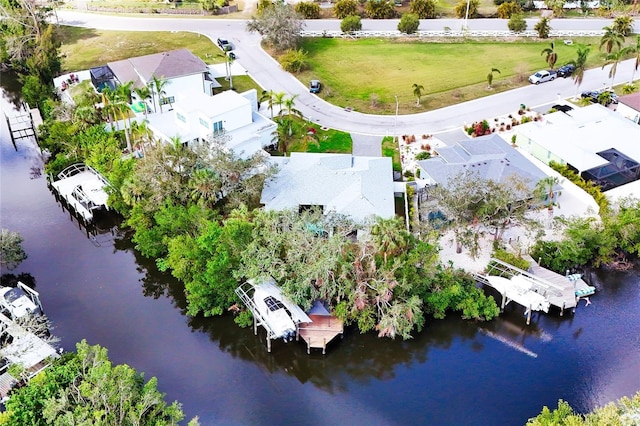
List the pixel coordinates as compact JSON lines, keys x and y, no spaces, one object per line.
{"x":268,"y":96}
{"x":552,"y":56}
{"x":636,"y":51}
{"x":205,"y":186}
{"x":580,"y":63}
{"x":389,"y":237}
{"x":229,"y":63}
{"x":417,"y":92}
{"x":490,"y":76}
{"x":278,"y":100}
{"x":109,"y":106}
{"x":611,"y":39}
{"x":157,"y":85}
{"x":143,"y":93}
{"x":288,"y":109}
{"x":613,"y":59}
{"x":623,"y":25}
{"x":545,"y":191}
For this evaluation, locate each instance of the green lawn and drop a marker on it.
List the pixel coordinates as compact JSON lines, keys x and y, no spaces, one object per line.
{"x":333,"y":141}
{"x":84,"y":48}
{"x":366,"y":74}
{"x":390,"y":149}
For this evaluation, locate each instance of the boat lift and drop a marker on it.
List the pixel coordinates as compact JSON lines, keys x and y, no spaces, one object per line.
{"x":246,"y":292}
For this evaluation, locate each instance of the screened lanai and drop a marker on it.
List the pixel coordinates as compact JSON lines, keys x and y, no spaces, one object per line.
{"x":619,"y":170}
{"x":102,"y":77}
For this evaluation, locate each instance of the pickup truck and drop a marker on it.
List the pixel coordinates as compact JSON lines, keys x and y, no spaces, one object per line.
{"x":542,"y":76}
{"x":224,"y":44}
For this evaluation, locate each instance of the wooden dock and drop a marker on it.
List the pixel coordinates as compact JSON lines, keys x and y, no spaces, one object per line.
{"x":322,"y":330}
{"x":24,"y":124}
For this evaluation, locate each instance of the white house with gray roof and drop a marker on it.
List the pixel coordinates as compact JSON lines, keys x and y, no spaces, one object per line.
{"x":359,"y":187}
{"x":490,"y":157}
{"x":602,"y":145}
{"x":184,"y":72}
{"x":231,"y":116}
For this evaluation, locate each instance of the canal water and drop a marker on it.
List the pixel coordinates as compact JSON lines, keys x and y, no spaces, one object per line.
{"x":95,"y":286}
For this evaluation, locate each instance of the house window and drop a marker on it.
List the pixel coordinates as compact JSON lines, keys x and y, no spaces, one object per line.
{"x":181,"y":118}
{"x":217,"y":127}
{"x":204,"y":123}
{"x":168,"y":100}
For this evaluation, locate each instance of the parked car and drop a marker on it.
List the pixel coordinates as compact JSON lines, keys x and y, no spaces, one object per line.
{"x":594,"y":96}
{"x":566,"y":70}
{"x":224,"y":44}
{"x":315,"y":86}
{"x":542,"y":76}
{"x":232,"y":55}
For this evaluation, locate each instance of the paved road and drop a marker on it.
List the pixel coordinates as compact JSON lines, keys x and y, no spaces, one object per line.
{"x":268,"y":73}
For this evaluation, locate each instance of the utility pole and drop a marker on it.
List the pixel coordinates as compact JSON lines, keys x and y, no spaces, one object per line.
{"x":466,"y":17}
{"x":395,"y":124}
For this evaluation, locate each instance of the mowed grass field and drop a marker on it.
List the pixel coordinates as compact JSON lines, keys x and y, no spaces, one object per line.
{"x":84,"y":48}
{"x":366,"y":74}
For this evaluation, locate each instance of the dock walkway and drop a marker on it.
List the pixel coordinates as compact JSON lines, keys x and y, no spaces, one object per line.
{"x":322,"y":330}
{"x":535,"y":289}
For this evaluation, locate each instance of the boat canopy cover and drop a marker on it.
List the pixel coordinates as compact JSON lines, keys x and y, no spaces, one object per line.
{"x":269,"y":287}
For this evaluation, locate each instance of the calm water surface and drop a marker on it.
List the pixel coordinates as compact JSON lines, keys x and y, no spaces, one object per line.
{"x":95,"y":286}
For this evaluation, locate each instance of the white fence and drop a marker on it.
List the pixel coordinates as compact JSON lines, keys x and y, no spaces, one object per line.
{"x":452,"y":33}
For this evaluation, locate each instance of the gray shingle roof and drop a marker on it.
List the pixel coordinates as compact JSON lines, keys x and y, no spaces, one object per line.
{"x":167,"y":65}
{"x":488,"y":156}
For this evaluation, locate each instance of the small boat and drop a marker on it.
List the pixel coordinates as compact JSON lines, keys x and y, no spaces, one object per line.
{"x":274,"y":313}
{"x":20,"y":301}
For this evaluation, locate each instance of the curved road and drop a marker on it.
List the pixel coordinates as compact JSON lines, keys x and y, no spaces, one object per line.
{"x":268,"y":73}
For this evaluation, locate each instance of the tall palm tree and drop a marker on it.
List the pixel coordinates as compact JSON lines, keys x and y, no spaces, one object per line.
{"x":229,"y":64}
{"x":278,"y":99}
{"x":288,"y":109}
{"x":417,"y":92}
{"x":109,"y":106}
{"x":580,"y":63}
{"x":636,"y":51}
{"x":613,"y":59}
{"x":611,"y":39}
{"x":552,"y":56}
{"x":490,"y":76}
{"x":143,"y":93}
{"x":268,"y":96}
{"x":157,"y":85}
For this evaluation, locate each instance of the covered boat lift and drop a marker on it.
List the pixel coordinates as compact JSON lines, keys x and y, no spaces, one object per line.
{"x":268,"y":286}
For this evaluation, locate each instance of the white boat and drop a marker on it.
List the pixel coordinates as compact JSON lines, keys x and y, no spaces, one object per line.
{"x":274,"y":313}
{"x":521,"y":290}
{"x":20,"y":301}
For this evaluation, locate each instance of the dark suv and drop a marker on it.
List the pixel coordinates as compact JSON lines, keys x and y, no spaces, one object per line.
{"x":566,"y":70}
{"x":224,"y":44}
{"x":595,"y":96}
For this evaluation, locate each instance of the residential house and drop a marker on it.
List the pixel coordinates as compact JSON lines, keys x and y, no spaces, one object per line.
{"x":490,"y":157}
{"x":600,"y":144}
{"x":184,"y":73}
{"x":629,"y":107}
{"x":359,"y":187}
{"x":229,"y":116}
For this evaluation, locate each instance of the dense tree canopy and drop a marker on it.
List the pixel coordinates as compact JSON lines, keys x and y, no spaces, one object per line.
{"x":626,"y":411}
{"x":11,"y":252}
{"x":279,"y":25}
{"x":85,"y":388}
